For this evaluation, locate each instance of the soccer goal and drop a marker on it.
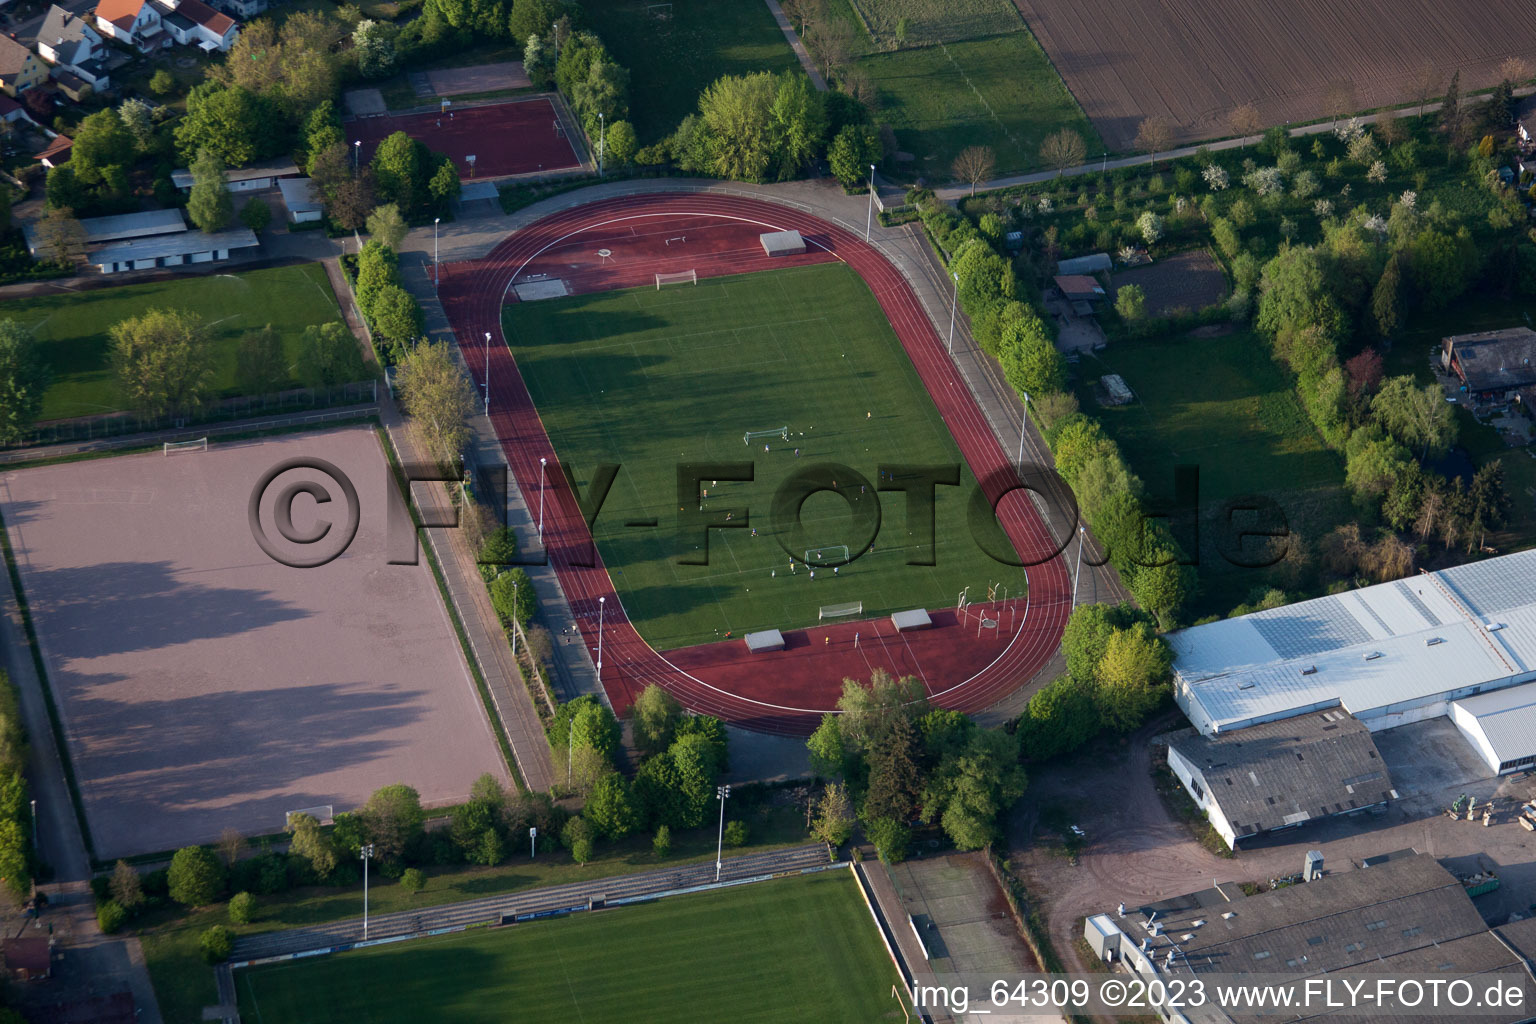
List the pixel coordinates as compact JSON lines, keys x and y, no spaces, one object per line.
{"x":199,"y":445}
{"x":677,"y":277}
{"x":835,"y":554}
{"x":840,"y":611}
{"x":758,"y":435}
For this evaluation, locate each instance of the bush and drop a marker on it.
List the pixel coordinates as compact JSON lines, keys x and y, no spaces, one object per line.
{"x":161,"y":83}
{"x":241,"y":906}
{"x":216,"y":944}
{"x":891,"y":839}
{"x":110,"y":916}
{"x":736,"y":833}
{"x":578,"y":836}
{"x":662,"y":844}
{"x":414,"y":879}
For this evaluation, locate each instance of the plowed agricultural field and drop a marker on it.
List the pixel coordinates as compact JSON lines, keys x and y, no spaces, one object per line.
{"x":1192,"y":61}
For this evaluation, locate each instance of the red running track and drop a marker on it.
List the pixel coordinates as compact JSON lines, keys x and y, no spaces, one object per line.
{"x":783,"y":692}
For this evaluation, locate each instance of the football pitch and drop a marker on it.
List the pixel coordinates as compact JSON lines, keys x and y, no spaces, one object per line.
{"x":801,"y":948}
{"x":651,"y":380}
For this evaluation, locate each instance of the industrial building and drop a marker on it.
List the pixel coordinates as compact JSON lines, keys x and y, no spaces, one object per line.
{"x":1389,"y":654}
{"x":1281,"y":774}
{"x":1402,"y":914}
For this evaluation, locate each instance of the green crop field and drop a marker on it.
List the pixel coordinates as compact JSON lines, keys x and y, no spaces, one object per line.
{"x":1001,"y":92}
{"x":1223,"y":405}
{"x":801,"y":948}
{"x":671,"y":59}
{"x":651,"y":379}
{"x":72,"y":328}
{"x":938,"y":21}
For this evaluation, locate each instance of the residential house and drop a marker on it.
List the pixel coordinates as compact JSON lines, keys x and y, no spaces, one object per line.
{"x":244,"y":9}
{"x":28,"y":957}
{"x":11,"y":111}
{"x":1494,"y":366}
{"x":135,"y":22}
{"x":56,"y":152}
{"x":194,"y":23}
{"x":73,"y":47}
{"x":20,"y":68}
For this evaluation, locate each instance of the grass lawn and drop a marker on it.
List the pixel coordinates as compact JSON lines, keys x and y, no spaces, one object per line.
{"x":800,"y":948}
{"x":670,"y":61}
{"x":1001,"y":92}
{"x":652,"y":379}
{"x":73,"y":327}
{"x":935,"y":21}
{"x":1223,"y":405}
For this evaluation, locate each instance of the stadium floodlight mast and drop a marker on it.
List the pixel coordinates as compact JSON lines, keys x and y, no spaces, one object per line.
{"x":600,"y":603}
{"x":487,"y":373}
{"x":1023,"y":425}
{"x":357,"y":153}
{"x":435,"y":277}
{"x":952,"y":306}
{"x":1082,"y":536}
{"x":542,"y":463}
{"x":602,"y":139}
{"x":365,"y":852}
{"x":724,"y":793}
{"x":869,"y":216}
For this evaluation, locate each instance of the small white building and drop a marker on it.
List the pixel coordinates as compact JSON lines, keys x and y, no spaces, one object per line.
{"x":245,"y":179}
{"x":120,"y":227}
{"x":1501,"y":726}
{"x":301,"y":200}
{"x":171,"y":250}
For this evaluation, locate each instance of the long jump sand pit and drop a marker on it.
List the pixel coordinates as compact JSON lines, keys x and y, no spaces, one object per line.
{"x":203,"y":685}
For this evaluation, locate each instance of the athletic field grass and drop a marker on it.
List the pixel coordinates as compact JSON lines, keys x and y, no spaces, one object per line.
{"x":1223,"y":405}
{"x":73,"y":327}
{"x":671,"y":59}
{"x":795,"y":949}
{"x":649,"y":379}
{"x":1001,"y":91}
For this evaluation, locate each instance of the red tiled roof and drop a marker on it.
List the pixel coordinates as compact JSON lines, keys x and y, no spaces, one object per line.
{"x":205,"y":16}
{"x":119,"y":12}
{"x":58,"y":149}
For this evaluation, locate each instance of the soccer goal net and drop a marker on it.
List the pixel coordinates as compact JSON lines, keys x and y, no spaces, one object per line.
{"x":757,"y":435}
{"x":677,"y":277}
{"x":840,"y":611}
{"x":199,"y":445}
{"x":835,"y":554}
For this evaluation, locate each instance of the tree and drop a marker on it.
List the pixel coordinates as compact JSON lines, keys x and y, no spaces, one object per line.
{"x":829,"y":754}
{"x":322,"y":131}
{"x":1153,"y":136}
{"x":397,"y":170}
{"x":737,"y":116}
{"x":531,"y":17}
{"x":655,"y":714}
{"x":891,"y":838}
{"x":1338,"y":100}
{"x":396,"y":316}
{"x":1131,"y":303}
{"x":162,"y":83}
{"x":260,"y":366}
{"x":110,"y":917}
{"x":1058,"y":719}
{"x":832,"y":43}
{"x":1451,"y":115}
{"x":391,"y":818}
{"x":1489,"y":502}
{"x":23,"y":380}
{"x":242,"y":906}
{"x":126,"y":886}
{"x":101,"y":141}
{"x":328,"y":355}
{"x":610,"y":808}
{"x":60,"y":237}
{"x":444,"y":187}
{"x":853,"y":150}
{"x":974,"y":165}
{"x":413,"y":880}
{"x":1416,"y":416}
{"x":312,"y":844}
{"x":164,"y":360}
{"x":512,"y":596}
{"x":1386,"y":299}
{"x":438,"y":396}
{"x":256,"y":214}
{"x":216,"y":944}
{"x":1442,"y":265}
{"x":1244,"y":121}
{"x":1389,"y":127}
{"x":238,"y":126}
{"x":970,"y":788}
{"x":209,"y":205}
{"x":1135,"y":662}
{"x":895,"y":781}
{"x":799,"y":122}
{"x":661,"y":845}
{"x":1150,"y":225}
{"x":387,"y":226}
{"x":196,"y":876}
{"x":350,"y":201}
{"x":1063,"y":149}
{"x":538,"y":59}
{"x":374,"y":44}
{"x":1364,"y":371}
{"x":834,"y":816}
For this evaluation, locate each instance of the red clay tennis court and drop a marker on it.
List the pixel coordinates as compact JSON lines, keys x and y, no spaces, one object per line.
{"x":504,"y":138}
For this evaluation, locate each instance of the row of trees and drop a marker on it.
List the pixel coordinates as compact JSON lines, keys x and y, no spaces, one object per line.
{"x":393,"y":313}
{"x":894,"y":761}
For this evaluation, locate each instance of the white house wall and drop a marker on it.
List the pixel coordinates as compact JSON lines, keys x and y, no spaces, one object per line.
{"x":1472,"y":729}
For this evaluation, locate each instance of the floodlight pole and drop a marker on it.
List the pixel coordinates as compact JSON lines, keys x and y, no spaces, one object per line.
{"x":1082,"y":532}
{"x":435,"y":277}
{"x":34,"y":826}
{"x":724,"y":793}
{"x":516,"y":625}
{"x":542,"y":463}
{"x":357,"y":154}
{"x":365,"y":851}
{"x":870,"y":215}
{"x":952,"y":305}
{"x":600,"y":603}
{"x":1023,"y":426}
{"x":602,"y":138}
{"x":487,"y":373}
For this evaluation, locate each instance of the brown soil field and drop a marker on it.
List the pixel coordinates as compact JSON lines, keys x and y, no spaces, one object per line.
{"x":1192,"y":62}
{"x":1188,"y":280}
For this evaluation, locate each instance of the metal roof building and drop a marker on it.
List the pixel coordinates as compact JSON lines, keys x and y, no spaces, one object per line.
{"x":100,"y":230}
{"x":1281,"y":774}
{"x":244,"y":179}
{"x":1097,"y":263}
{"x":171,"y":250}
{"x":1501,"y":726}
{"x":1389,"y":654}
{"x":299,"y":195}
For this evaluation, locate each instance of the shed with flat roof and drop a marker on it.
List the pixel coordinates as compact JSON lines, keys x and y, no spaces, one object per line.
{"x":782,"y":243}
{"x":171,"y":250}
{"x":764,"y":641}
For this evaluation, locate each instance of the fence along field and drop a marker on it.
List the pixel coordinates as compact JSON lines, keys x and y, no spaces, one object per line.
{"x":1290,"y":60}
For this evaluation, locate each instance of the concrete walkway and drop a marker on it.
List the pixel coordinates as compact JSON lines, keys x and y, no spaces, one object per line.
{"x":793,"y":38}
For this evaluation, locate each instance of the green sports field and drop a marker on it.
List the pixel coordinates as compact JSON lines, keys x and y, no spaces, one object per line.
{"x":72,"y":327}
{"x":650,"y":379}
{"x":796,"y":949}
